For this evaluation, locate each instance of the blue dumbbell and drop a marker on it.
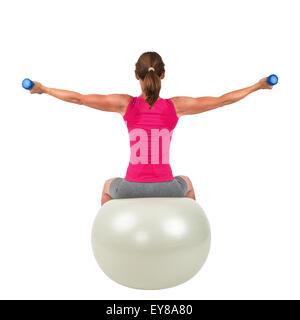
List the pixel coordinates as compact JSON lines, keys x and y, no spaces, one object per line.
{"x":272,"y":79}
{"x":27,"y":84}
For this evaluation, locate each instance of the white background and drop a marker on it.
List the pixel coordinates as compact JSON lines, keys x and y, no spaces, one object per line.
{"x":243,"y":158}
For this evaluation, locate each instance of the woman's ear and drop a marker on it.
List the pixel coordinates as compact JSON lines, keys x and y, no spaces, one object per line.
{"x":163,"y":74}
{"x":136,"y":75}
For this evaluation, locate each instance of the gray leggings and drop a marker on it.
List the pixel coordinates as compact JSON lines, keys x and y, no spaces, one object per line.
{"x":121,"y":188}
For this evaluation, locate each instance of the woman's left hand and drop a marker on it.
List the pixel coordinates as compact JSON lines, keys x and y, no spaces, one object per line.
{"x":263,"y":84}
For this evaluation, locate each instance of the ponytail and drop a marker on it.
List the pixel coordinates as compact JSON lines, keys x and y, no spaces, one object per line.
{"x":151,"y":87}
{"x":149,"y":68}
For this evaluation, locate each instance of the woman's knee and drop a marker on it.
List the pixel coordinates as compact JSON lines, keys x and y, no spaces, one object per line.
{"x":106,"y":186}
{"x":188,"y":182}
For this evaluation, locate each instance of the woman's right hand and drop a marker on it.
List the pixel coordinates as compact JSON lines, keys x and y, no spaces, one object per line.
{"x":37,"y":88}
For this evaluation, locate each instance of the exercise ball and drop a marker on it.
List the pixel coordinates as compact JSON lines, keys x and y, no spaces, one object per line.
{"x":151,"y":243}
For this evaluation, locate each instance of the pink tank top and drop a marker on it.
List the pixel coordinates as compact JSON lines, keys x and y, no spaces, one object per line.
{"x":150,"y":132}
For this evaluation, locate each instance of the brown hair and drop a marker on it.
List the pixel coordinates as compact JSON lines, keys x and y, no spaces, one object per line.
{"x":151,"y":79}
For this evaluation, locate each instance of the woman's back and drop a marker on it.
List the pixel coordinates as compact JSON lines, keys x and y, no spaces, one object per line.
{"x":150,"y":132}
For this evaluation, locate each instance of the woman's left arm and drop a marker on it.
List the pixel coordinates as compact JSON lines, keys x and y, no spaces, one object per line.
{"x":111,"y":102}
{"x":189,"y":105}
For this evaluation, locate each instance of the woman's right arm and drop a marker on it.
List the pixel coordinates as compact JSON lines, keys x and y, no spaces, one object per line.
{"x":188,"y":105}
{"x":110,"y":102}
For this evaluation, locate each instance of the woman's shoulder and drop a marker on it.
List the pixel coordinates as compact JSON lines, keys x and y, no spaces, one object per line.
{"x":179,"y":103}
{"x":173,"y":105}
{"x":125,"y":100}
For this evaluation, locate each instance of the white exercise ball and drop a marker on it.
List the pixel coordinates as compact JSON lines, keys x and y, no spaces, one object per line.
{"x":151,"y":243}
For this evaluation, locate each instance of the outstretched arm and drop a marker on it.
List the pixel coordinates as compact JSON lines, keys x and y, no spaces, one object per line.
{"x":111,"y":102}
{"x":189,"y":105}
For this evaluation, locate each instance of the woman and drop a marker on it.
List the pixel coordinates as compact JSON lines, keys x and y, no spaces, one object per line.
{"x":150,"y":120}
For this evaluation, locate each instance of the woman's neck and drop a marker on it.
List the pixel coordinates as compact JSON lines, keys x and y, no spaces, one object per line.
{"x":144,"y":97}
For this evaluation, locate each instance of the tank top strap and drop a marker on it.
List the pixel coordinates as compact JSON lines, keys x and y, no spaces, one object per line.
{"x":129,"y":107}
{"x":172,"y":108}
